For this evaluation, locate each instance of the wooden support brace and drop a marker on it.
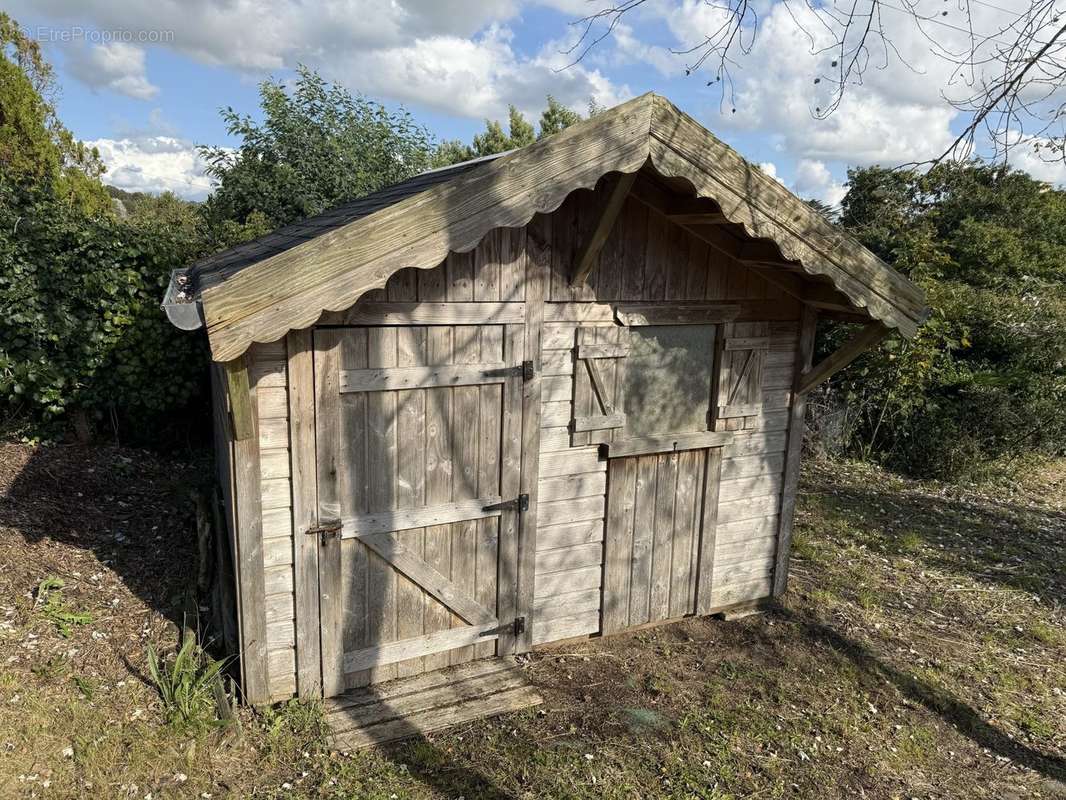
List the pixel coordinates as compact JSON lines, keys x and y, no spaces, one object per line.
{"x":591,"y":249}
{"x":868,"y":337}
{"x":240,"y":398}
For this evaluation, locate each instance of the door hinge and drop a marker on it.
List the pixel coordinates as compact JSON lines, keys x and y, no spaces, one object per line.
{"x":517,"y":627}
{"x":519,"y":504}
{"x":528,"y":371}
{"x":326,"y":529}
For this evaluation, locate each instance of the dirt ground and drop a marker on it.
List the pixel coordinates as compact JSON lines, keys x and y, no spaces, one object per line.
{"x":920,"y":653}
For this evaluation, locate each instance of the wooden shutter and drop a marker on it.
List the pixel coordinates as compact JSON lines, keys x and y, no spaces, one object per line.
{"x":599,"y":376}
{"x":741,"y":359}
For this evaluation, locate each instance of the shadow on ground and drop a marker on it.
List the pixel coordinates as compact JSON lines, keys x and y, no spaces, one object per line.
{"x":1006,"y":543}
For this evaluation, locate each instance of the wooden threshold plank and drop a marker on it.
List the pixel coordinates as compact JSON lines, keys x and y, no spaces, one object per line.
{"x":440,"y":697}
{"x":440,"y":718}
{"x":426,"y":681}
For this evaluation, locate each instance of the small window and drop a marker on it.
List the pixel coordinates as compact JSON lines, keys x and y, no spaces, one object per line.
{"x":668,"y":379}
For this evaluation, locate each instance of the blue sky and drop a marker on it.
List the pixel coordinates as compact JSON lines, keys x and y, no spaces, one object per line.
{"x":150,"y":92}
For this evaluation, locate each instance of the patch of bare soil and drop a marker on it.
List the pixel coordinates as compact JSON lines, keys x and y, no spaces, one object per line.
{"x":115,"y":528}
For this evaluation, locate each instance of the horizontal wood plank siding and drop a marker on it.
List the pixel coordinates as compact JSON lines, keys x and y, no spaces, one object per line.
{"x":268,"y":373}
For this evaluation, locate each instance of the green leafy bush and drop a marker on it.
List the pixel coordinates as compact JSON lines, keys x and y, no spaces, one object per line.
{"x":80,"y":324}
{"x":984,"y":381}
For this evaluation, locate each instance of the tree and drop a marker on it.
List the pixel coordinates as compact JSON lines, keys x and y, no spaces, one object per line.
{"x":1006,"y":64}
{"x":316,"y":147}
{"x":556,"y":117}
{"x":985,"y":378}
{"x":36,"y":151}
{"x":492,"y":140}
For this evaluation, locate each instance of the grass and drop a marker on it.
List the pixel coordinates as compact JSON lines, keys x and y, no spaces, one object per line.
{"x":920,"y":652}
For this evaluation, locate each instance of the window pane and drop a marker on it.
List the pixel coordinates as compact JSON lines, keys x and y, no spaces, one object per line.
{"x":668,"y":379}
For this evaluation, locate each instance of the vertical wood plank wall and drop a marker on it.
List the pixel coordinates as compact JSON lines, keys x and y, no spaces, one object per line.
{"x":647,"y":258}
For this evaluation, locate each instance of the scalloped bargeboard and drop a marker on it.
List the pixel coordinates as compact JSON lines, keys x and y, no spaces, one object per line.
{"x":327,"y":267}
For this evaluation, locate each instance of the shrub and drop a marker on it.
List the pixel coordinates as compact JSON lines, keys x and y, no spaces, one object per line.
{"x":81,"y":329}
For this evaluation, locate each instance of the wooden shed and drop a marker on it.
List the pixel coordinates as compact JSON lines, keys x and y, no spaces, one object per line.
{"x":553,"y":393}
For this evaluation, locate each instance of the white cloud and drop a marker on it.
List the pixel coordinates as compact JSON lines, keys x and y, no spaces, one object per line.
{"x":879,"y":121}
{"x":117,"y":66}
{"x":453,"y":55}
{"x":629,"y":48}
{"x":154,"y":164}
{"x":1038,"y":158}
{"x":476,"y":77}
{"x":894,"y":113}
{"x":814,"y":181}
{"x":770,"y":168}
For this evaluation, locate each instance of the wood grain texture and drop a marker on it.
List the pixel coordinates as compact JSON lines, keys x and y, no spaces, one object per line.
{"x":300,"y":351}
{"x":804,"y":355}
{"x":536,"y":275}
{"x":425,"y":313}
{"x":251,"y":573}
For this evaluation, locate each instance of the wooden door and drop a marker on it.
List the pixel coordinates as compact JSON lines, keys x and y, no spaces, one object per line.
{"x":660,"y":539}
{"x":418,"y":442}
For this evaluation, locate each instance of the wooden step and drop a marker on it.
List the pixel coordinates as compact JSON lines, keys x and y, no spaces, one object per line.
{"x":429,"y":702}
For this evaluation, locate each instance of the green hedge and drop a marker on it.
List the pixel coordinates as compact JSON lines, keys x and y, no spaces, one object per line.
{"x":81,"y":329}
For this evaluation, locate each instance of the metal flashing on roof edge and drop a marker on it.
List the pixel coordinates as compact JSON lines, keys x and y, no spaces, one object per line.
{"x":184,"y":311}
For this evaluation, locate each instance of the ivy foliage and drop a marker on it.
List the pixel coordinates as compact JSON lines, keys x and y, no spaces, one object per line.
{"x":81,"y":331}
{"x":984,"y":381}
{"x":80,"y":325}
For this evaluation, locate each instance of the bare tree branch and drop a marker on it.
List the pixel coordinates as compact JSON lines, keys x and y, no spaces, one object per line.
{"x":1006,"y":84}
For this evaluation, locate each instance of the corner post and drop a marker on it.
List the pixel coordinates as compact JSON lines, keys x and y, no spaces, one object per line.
{"x":794,"y":449}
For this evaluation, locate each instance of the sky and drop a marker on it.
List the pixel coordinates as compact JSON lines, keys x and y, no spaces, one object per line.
{"x":144,"y":82}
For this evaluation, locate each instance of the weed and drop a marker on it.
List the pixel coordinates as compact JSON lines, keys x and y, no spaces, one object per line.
{"x":186,"y":684}
{"x":639,"y":720}
{"x":909,"y":542}
{"x":52,"y":668}
{"x":1036,"y":725}
{"x":867,"y":598}
{"x":85,"y":686}
{"x":53,"y":609}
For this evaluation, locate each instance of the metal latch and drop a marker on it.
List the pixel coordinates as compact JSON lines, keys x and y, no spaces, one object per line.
{"x":517,"y":627}
{"x":326,"y":529}
{"x":519,"y":504}
{"x":528,"y":371}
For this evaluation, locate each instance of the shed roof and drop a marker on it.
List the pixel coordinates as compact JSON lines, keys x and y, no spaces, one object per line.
{"x":260,"y":290}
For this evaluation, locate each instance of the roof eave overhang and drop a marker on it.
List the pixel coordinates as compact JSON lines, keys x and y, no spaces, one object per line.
{"x":292,"y":289}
